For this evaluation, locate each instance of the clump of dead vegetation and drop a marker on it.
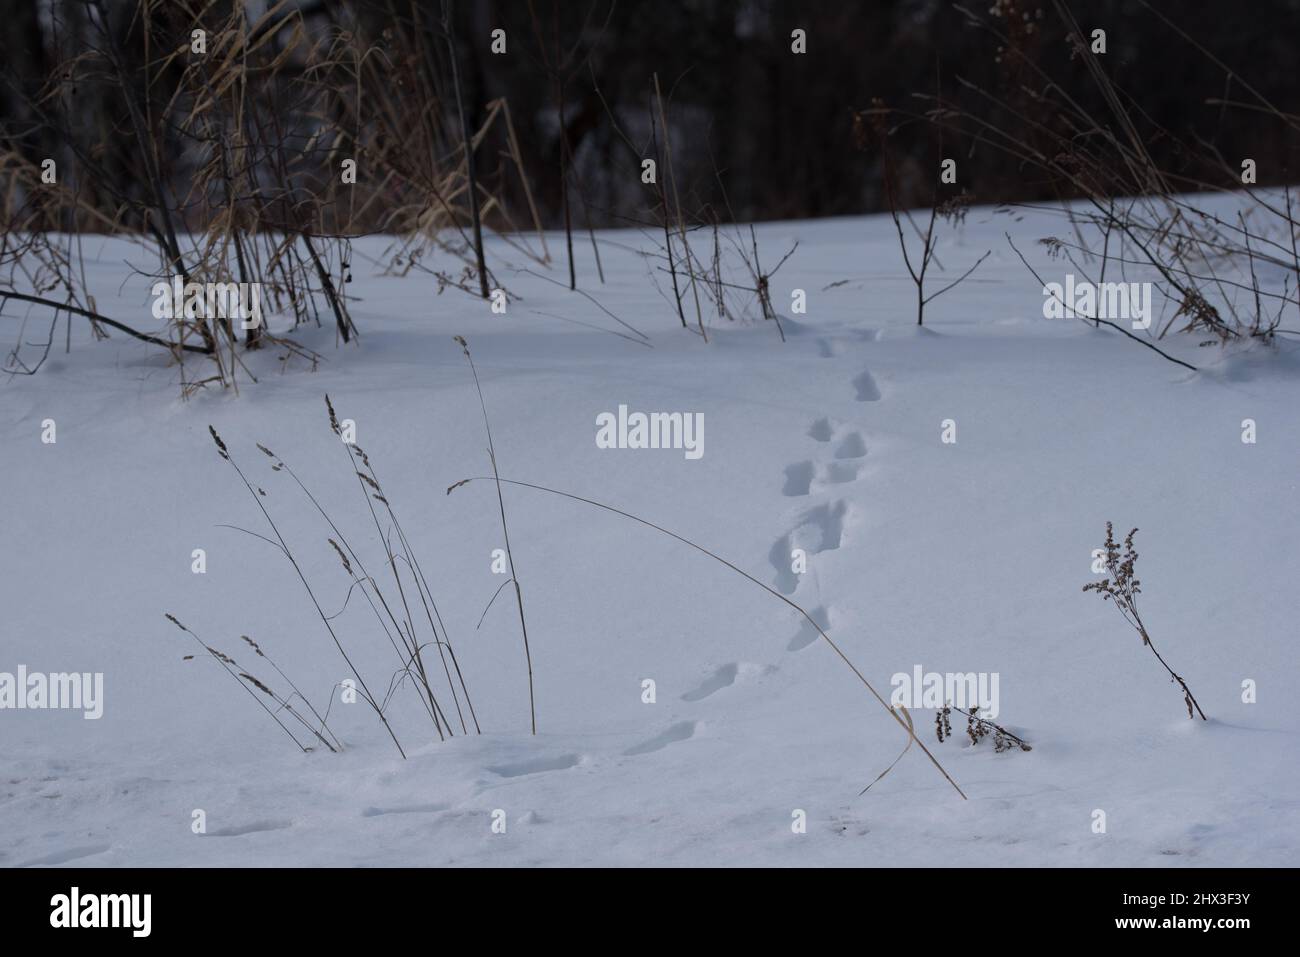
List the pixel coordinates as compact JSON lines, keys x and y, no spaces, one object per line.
{"x":400,"y":601}
{"x":1124,"y":215}
{"x":978,"y":728}
{"x":703,"y":262}
{"x":237,"y":148}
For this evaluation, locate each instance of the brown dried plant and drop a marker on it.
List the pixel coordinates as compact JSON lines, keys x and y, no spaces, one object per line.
{"x":1122,"y":587}
{"x":319,"y":729}
{"x":977,"y":729}
{"x":1144,"y":215}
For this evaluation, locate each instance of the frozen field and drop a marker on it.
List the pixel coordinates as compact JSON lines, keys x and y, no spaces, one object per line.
{"x":954,"y":557}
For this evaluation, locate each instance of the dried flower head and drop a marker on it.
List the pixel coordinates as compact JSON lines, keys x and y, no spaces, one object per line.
{"x":347,"y":565}
{"x":256,"y":684}
{"x":221,"y":446}
{"x":953,"y":211}
{"x":1122,"y":587}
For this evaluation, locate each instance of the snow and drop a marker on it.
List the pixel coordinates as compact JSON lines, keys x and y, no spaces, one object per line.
{"x":953,"y":557}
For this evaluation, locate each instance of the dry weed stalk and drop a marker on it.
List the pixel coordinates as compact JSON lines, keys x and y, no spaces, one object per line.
{"x":872,"y":129}
{"x":258,"y":495}
{"x":505,"y":533}
{"x":977,"y":729}
{"x":232,"y":667}
{"x":1122,"y":588}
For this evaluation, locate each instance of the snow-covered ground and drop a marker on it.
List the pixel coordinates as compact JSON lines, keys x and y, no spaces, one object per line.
{"x":955,"y":557}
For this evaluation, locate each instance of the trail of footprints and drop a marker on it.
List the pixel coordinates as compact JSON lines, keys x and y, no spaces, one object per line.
{"x":817,"y":529}
{"x":820,"y":528}
{"x":843,"y":466}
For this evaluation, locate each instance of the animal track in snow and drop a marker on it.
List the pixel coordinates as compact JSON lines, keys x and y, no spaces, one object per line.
{"x":254,"y":828}
{"x":801,"y":476}
{"x":837,"y":473}
{"x":829,"y":348}
{"x":821,"y":430}
{"x":786,"y":580}
{"x":820,"y":529}
{"x":851,"y":446}
{"x":536,"y":765}
{"x":825,"y":523}
{"x":406,"y":809}
{"x":807,"y":634}
{"x":65,"y":855}
{"x":724,"y":677}
{"x":798,"y":478}
{"x":680,"y":731}
{"x":866,"y":387}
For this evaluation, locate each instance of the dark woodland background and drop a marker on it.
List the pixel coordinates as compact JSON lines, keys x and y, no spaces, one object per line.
{"x":757,"y":132}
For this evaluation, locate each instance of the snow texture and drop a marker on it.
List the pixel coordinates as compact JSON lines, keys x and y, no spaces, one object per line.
{"x":956,"y":557}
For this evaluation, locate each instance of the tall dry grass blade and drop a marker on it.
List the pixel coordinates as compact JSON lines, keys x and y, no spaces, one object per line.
{"x":505,"y":532}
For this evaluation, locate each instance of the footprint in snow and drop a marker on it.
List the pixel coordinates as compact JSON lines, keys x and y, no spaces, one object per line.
{"x":724,"y":677}
{"x":64,"y":856}
{"x":798,"y":478}
{"x":865,"y":386}
{"x":807,"y":634}
{"x":820,"y":529}
{"x":256,"y":827}
{"x":838,"y":473}
{"x":536,"y":765}
{"x":852,"y":446}
{"x":406,"y":809}
{"x":681,"y":731}
{"x":821,"y":429}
